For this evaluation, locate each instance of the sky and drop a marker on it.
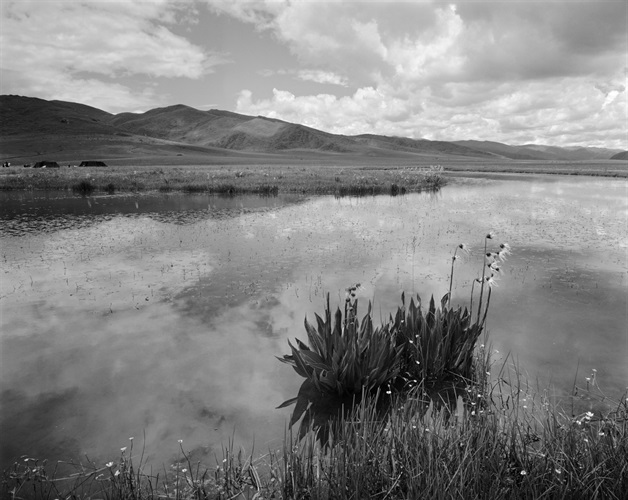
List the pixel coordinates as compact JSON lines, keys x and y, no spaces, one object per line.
{"x":519,"y":72}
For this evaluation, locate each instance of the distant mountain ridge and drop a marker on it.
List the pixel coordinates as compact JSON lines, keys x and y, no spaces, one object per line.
{"x":623,"y":155}
{"x":541,"y":152}
{"x":29,"y":125}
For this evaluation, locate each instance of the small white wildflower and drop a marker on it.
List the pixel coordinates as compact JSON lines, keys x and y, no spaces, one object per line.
{"x":494,"y":267}
{"x":116,"y":473}
{"x":558,"y":471}
{"x":123,"y":449}
{"x":588,"y":415}
{"x":523,"y":473}
{"x":180,"y":441}
{"x":184,"y":470}
{"x":131,"y":438}
{"x":109,"y":464}
{"x":491,"y":281}
{"x":504,"y":250}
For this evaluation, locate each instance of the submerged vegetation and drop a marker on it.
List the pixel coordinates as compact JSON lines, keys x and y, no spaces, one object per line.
{"x":407,"y":409}
{"x":230,"y":180}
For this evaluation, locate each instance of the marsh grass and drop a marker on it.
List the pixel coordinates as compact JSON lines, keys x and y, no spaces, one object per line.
{"x":84,"y":187}
{"x":510,"y":444}
{"x":233,"y":180}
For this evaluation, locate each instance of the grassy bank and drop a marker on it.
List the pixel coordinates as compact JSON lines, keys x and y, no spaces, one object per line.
{"x":256,"y":179}
{"x":506,"y":443}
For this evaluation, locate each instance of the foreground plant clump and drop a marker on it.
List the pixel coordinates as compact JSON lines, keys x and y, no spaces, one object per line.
{"x":407,"y":409}
{"x":428,"y":353}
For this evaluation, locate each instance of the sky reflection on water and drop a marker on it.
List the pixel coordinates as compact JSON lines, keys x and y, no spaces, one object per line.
{"x":136,"y":322}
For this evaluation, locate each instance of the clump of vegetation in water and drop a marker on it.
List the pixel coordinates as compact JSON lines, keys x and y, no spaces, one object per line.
{"x":84,"y":187}
{"x":426,"y":351}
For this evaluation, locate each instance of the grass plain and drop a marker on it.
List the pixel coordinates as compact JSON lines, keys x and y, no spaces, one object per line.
{"x":313,"y":175}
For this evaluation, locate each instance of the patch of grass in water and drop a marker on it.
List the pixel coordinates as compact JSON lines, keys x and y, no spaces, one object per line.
{"x":358,"y":190}
{"x":84,"y":187}
{"x":267,"y":190}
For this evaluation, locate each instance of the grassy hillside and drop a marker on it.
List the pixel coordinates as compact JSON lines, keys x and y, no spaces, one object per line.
{"x":34,"y":129}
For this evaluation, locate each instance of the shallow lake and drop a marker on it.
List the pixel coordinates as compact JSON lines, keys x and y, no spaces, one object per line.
{"x":160,"y":316}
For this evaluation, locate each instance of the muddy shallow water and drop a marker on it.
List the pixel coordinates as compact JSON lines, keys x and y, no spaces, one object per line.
{"x":161,"y":315}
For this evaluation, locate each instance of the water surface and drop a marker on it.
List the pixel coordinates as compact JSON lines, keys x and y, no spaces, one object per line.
{"x":160,"y":316}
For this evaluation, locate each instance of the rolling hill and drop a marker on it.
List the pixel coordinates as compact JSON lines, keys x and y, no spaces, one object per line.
{"x":32,"y":128}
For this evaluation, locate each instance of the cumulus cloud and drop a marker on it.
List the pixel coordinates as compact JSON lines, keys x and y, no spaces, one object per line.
{"x":312,"y":75}
{"x":368,"y":109}
{"x":76,"y":48}
{"x":518,"y":113}
{"x":320,"y":76}
{"x":512,"y":71}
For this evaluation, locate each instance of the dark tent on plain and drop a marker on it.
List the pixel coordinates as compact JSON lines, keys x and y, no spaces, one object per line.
{"x":92,"y":163}
{"x":46,"y":164}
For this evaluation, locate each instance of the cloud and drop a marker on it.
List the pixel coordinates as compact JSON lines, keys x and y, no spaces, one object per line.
{"x":320,"y":76}
{"x":368,"y":109}
{"x":567,"y":111}
{"x":76,"y":48}
{"x":312,"y":75}
{"x":512,"y":71}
